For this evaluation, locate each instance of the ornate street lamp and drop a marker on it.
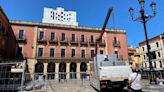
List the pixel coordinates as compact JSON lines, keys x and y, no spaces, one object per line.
{"x":144,"y":18}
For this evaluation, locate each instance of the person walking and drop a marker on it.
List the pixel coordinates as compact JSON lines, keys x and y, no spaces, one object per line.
{"x":135,"y":80}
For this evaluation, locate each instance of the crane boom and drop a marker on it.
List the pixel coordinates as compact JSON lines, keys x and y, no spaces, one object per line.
{"x":103,"y":29}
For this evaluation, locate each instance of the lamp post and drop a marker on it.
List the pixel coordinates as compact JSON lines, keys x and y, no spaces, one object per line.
{"x":143,"y":19}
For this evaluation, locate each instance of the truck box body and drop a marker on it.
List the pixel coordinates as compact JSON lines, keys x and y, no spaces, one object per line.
{"x":108,"y":71}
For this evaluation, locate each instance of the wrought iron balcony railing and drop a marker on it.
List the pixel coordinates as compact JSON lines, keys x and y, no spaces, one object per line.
{"x":92,"y":42}
{"x":21,"y":38}
{"x":102,"y":43}
{"x":84,"y":42}
{"x":64,"y":41}
{"x":53,"y":40}
{"x":62,"y":56}
{"x":42,"y":40}
{"x":116,"y":43}
{"x":74,"y":41}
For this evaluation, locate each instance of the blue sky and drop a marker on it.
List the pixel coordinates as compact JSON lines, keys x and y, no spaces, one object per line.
{"x":92,"y":13}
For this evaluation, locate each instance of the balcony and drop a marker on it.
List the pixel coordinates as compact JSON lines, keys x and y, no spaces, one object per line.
{"x":21,"y":39}
{"x":92,"y":42}
{"x":53,"y":41}
{"x":116,"y":43}
{"x":84,"y":42}
{"x":42,"y":40}
{"x":64,"y":41}
{"x":58,"y":56}
{"x":102,"y":43}
{"x":74,"y":41}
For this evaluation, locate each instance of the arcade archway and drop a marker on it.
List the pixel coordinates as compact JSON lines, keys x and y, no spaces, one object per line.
{"x":83,"y":69}
{"x":73,"y":67}
{"x":51,"y":70}
{"x":62,"y":70}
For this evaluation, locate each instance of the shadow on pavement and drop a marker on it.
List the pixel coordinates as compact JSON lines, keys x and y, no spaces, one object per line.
{"x":113,"y":90}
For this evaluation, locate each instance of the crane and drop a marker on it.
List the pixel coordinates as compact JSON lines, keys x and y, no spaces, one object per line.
{"x":99,"y":39}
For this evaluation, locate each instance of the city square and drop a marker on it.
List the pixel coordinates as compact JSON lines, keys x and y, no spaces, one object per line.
{"x":54,"y":46}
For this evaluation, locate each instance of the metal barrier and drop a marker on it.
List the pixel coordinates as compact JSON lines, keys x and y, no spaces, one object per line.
{"x":40,"y":81}
{"x":11,"y":76}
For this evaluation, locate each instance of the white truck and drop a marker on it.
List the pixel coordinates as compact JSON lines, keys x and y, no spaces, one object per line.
{"x":108,"y":72}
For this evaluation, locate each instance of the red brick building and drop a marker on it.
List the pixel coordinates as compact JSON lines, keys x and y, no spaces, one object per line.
{"x":10,"y":57}
{"x":52,"y":46}
{"x":8,"y":43}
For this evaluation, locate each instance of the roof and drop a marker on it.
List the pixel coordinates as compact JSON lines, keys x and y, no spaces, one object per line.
{"x":59,"y":26}
{"x":1,"y":10}
{"x":152,"y":39}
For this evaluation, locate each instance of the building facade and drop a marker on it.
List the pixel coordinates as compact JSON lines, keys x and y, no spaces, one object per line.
{"x":52,"y":48}
{"x":8,"y":43}
{"x":59,"y":16}
{"x":157,"y":52}
{"x":134,"y":55}
{"x":10,"y":57}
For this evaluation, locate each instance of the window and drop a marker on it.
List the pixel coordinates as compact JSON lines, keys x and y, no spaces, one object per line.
{"x":157,"y":44}
{"x":160,"y":63}
{"x":62,"y":52}
{"x":92,"y":53}
{"x":21,"y":32}
{"x":40,"y":52}
{"x":155,"y":65}
{"x":159,"y":55}
{"x":145,"y":65}
{"x":101,"y":52}
{"x":116,"y":52}
{"x":144,"y":57}
{"x":41,"y":35}
{"x":51,"y":52}
{"x":83,"y":53}
{"x":52,"y":36}
{"x":53,"y":15}
{"x":72,"y":52}
{"x":82,"y":38}
{"x":152,"y":55}
{"x":143,"y":48}
{"x":92,"y":38}
{"x":115,"y":40}
{"x":63,"y":37}
{"x":19,"y":51}
{"x":73,"y":38}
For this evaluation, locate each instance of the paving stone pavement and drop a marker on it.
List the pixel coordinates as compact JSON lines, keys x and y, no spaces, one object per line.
{"x":74,"y":86}
{"x":70,"y":87}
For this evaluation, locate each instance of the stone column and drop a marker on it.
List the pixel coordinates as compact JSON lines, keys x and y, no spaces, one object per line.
{"x":57,"y":71}
{"x":78,"y":70}
{"x":45,"y":69}
{"x":67,"y":70}
{"x":31,"y":67}
{"x":88,"y":67}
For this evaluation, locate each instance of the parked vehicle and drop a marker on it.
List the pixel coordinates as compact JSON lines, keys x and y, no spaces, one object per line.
{"x":109,"y":72}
